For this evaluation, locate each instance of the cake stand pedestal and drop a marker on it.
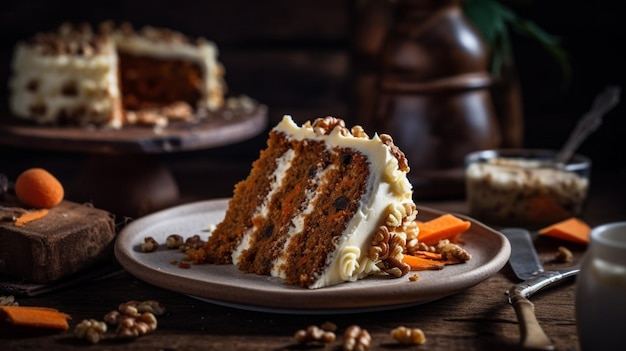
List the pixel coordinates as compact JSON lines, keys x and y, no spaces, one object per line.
{"x":121,"y":175}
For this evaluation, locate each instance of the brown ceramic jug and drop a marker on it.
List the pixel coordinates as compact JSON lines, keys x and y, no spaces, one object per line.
{"x":433,"y":94}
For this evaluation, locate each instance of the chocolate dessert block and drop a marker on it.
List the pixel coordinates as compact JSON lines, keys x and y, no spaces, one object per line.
{"x":68,"y":239}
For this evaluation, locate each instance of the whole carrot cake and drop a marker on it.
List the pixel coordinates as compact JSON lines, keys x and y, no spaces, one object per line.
{"x":322,"y":205}
{"x":113,"y":76}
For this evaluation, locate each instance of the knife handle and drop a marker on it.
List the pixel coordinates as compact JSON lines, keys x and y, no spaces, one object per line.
{"x":532,"y":335}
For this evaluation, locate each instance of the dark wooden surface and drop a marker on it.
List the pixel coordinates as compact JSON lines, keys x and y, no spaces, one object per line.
{"x":296,"y":58}
{"x":477,"y":319}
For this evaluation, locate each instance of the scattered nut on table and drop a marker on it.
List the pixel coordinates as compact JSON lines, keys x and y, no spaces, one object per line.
{"x":8,"y":301}
{"x":91,"y":330}
{"x":408,"y":336}
{"x":132,"y":318}
{"x":314,"y":334}
{"x":563,"y":255}
{"x":356,"y":339}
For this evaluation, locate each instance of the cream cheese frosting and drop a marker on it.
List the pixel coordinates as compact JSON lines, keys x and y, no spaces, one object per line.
{"x":81,"y":88}
{"x":388,"y":191}
{"x":71,"y":76}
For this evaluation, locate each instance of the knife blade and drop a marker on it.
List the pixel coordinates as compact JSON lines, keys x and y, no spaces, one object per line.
{"x":526,"y":265}
{"x":523,"y":260}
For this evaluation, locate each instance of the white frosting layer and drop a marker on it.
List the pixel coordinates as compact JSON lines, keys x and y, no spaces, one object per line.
{"x":95,"y":78}
{"x":387,"y":185}
{"x":283,"y":164}
{"x":297,"y":223}
{"x":40,"y":80}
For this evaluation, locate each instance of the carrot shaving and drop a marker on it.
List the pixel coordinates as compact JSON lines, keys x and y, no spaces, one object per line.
{"x":30,"y":216}
{"x":571,"y":229}
{"x":428,"y":254}
{"x":336,"y":215}
{"x":446,"y":226}
{"x":41,"y":317}
{"x":418,"y":263}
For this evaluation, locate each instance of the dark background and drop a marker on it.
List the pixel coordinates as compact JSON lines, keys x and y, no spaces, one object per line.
{"x":295,"y":57}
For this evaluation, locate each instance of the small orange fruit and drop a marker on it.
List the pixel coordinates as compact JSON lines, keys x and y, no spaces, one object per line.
{"x":38,"y":188}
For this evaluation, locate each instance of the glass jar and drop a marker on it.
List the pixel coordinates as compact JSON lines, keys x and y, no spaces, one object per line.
{"x":601,"y":290}
{"x":525,"y":187}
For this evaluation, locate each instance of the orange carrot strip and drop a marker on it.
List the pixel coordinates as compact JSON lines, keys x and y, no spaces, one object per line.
{"x":446,"y":226}
{"x":40,"y":317}
{"x":30,"y":216}
{"x":571,"y":229}
{"x":428,"y":254}
{"x":421,"y":264}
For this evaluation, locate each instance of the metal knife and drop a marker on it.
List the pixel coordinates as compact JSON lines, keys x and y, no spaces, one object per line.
{"x":527,"y":267}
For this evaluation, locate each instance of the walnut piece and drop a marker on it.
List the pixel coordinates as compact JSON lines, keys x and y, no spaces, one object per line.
{"x":133,"y":319}
{"x":563,"y":255}
{"x":356,"y":339}
{"x":149,"y":244}
{"x":408,"y":336}
{"x":451,"y":251}
{"x":314,"y":334}
{"x":174,"y":241}
{"x":323,"y":126}
{"x":193,"y":242}
{"x":8,"y":301}
{"x":90,"y":330}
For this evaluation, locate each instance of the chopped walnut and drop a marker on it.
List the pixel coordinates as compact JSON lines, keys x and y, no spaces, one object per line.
{"x":145,"y":117}
{"x":415,"y":277}
{"x":358,"y":132}
{"x":8,"y":301}
{"x":135,"y":318}
{"x":388,"y":246}
{"x":129,"y":327}
{"x":90,"y":330}
{"x":408,"y":336}
{"x":113,"y":317}
{"x":193,"y":242}
{"x":356,"y":339}
{"x":132,"y":318}
{"x":314,"y":334}
{"x":563,"y":255}
{"x":451,"y":251}
{"x":136,"y":307}
{"x":380,"y":244}
{"x":323,"y":126}
{"x":403,"y":163}
{"x":149,"y":244}
{"x":423,"y":247}
{"x":174,"y":241}
{"x":179,"y":110}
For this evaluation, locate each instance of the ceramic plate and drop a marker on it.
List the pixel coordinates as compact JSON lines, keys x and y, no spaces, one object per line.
{"x":226,"y":285}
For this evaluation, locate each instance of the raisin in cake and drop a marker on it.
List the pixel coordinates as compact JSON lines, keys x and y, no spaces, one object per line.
{"x":114,"y":76}
{"x":322,"y":205}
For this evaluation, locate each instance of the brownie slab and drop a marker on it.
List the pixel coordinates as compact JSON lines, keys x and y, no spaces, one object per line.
{"x":68,"y":239}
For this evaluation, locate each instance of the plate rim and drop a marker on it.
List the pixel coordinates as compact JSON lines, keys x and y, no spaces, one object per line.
{"x":278,"y":297}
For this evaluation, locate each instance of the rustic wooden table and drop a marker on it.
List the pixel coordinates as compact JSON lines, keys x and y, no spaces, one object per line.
{"x":477,"y":319}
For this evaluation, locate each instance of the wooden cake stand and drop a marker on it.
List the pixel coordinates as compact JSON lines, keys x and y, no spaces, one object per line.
{"x":120,"y":175}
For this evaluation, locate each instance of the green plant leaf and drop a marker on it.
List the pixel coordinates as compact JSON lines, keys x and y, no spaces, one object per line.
{"x":494,"y":21}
